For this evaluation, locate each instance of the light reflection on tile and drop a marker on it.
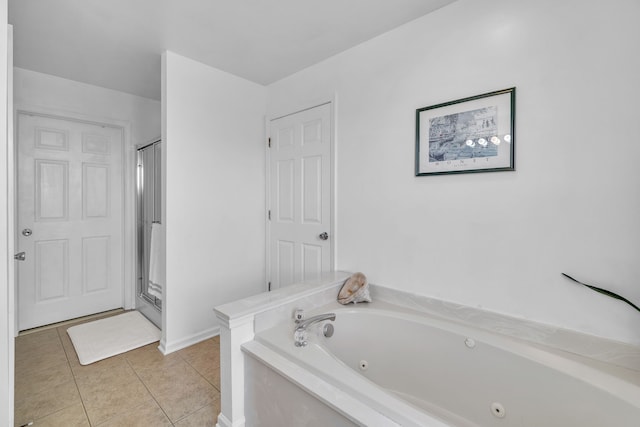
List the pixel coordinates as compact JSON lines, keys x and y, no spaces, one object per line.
{"x":45,"y":402}
{"x":145,"y":415}
{"x":182,"y":403}
{"x":103,"y":403}
{"x":204,"y":417}
{"x":34,"y":381}
{"x":72,"y":416}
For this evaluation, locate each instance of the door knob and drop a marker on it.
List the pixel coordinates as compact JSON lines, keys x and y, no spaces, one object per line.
{"x":323,"y":236}
{"x":27,"y":232}
{"x":20,"y":256}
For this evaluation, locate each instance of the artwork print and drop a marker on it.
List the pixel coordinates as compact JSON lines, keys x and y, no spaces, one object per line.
{"x":463,"y":135}
{"x":474,"y":134}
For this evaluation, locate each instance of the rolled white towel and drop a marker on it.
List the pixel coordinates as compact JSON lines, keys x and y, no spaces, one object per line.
{"x":156,"y":272}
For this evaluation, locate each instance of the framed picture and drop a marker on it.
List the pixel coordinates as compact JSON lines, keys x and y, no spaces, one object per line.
{"x":474,"y":134}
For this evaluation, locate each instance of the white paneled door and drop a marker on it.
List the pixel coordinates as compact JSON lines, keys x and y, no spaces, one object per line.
{"x":69,"y":219}
{"x":300,"y":196}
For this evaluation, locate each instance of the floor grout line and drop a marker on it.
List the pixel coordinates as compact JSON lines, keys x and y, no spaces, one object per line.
{"x":148,"y":390}
{"x":34,"y":420}
{"x":73,"y":375}
{"x":200,"y":373}
{"x":190,"y":359}
{"x":204,"y":378}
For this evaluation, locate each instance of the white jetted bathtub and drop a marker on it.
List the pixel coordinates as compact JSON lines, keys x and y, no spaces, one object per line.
{"x":389,"y":365}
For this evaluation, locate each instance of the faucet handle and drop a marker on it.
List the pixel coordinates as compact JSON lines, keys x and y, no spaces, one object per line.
{"x":300,"y":338}
{"x":298,"y":315}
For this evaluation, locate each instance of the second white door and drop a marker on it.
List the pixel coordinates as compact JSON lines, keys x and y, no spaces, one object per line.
{"x":300,"y":196}
{"x":70,"y":219}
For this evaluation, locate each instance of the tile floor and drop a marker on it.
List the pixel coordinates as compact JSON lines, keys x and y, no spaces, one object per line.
{"x":138,"y":388}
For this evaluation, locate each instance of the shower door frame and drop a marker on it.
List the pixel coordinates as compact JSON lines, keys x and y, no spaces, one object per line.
{"x":149,"y":305}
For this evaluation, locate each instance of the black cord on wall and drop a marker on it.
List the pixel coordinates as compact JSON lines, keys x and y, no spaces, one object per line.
{"x":603,"y":291}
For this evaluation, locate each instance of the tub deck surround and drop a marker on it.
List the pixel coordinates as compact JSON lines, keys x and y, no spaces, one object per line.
{"x":340,"y":400}
{"x":259,"y":330}
{"x":240,"y":320}
{"x":551,"y":337}
{"x":441,"y":373}
{"x":300,"y":408}
{"x":306,"y":293}
{"x":370,"y":408}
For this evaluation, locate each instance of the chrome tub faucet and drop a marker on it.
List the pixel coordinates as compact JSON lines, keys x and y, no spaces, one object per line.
{"x":300,"y":333}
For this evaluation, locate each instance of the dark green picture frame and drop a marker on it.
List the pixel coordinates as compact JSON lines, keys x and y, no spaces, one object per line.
{"x":468,"y":135}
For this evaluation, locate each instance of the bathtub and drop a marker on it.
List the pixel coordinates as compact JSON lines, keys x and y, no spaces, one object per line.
{"x":391,"y":365}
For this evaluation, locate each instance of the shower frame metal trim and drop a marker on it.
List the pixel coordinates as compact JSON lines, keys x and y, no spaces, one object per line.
{"x":142,"y":268}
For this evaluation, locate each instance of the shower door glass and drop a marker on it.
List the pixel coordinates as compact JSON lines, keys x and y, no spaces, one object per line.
{"x":148,"y":212}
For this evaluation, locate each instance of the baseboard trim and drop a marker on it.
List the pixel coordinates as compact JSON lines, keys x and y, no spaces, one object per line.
{"x":169,"y":347}
{"x":224,"y":422}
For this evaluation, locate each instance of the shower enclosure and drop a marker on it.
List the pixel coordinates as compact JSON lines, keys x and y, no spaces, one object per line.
{"x":148,"y":211}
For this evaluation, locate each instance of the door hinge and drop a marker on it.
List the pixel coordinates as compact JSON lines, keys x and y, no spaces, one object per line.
{"x":269,"y":142}
{"x":269,"y":287}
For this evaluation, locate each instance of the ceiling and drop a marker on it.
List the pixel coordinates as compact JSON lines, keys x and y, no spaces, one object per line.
{"x":118,"y":44}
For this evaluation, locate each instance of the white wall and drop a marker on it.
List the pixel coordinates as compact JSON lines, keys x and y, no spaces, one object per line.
{"x":67,"y":96}
{"x":215,"y":195}
{"x":495,"y":240}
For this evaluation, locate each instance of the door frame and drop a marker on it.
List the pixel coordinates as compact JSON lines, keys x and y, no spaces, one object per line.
{"x":128,"y":193}
{"x":7,"y":269}
{"x":332,"y":101}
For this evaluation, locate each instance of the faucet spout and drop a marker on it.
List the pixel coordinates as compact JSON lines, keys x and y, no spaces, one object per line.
{"x":300,"y":335}
{"x":303,"y":324}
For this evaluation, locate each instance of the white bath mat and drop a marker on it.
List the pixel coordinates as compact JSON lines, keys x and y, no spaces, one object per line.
{"x":104,"y":338}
